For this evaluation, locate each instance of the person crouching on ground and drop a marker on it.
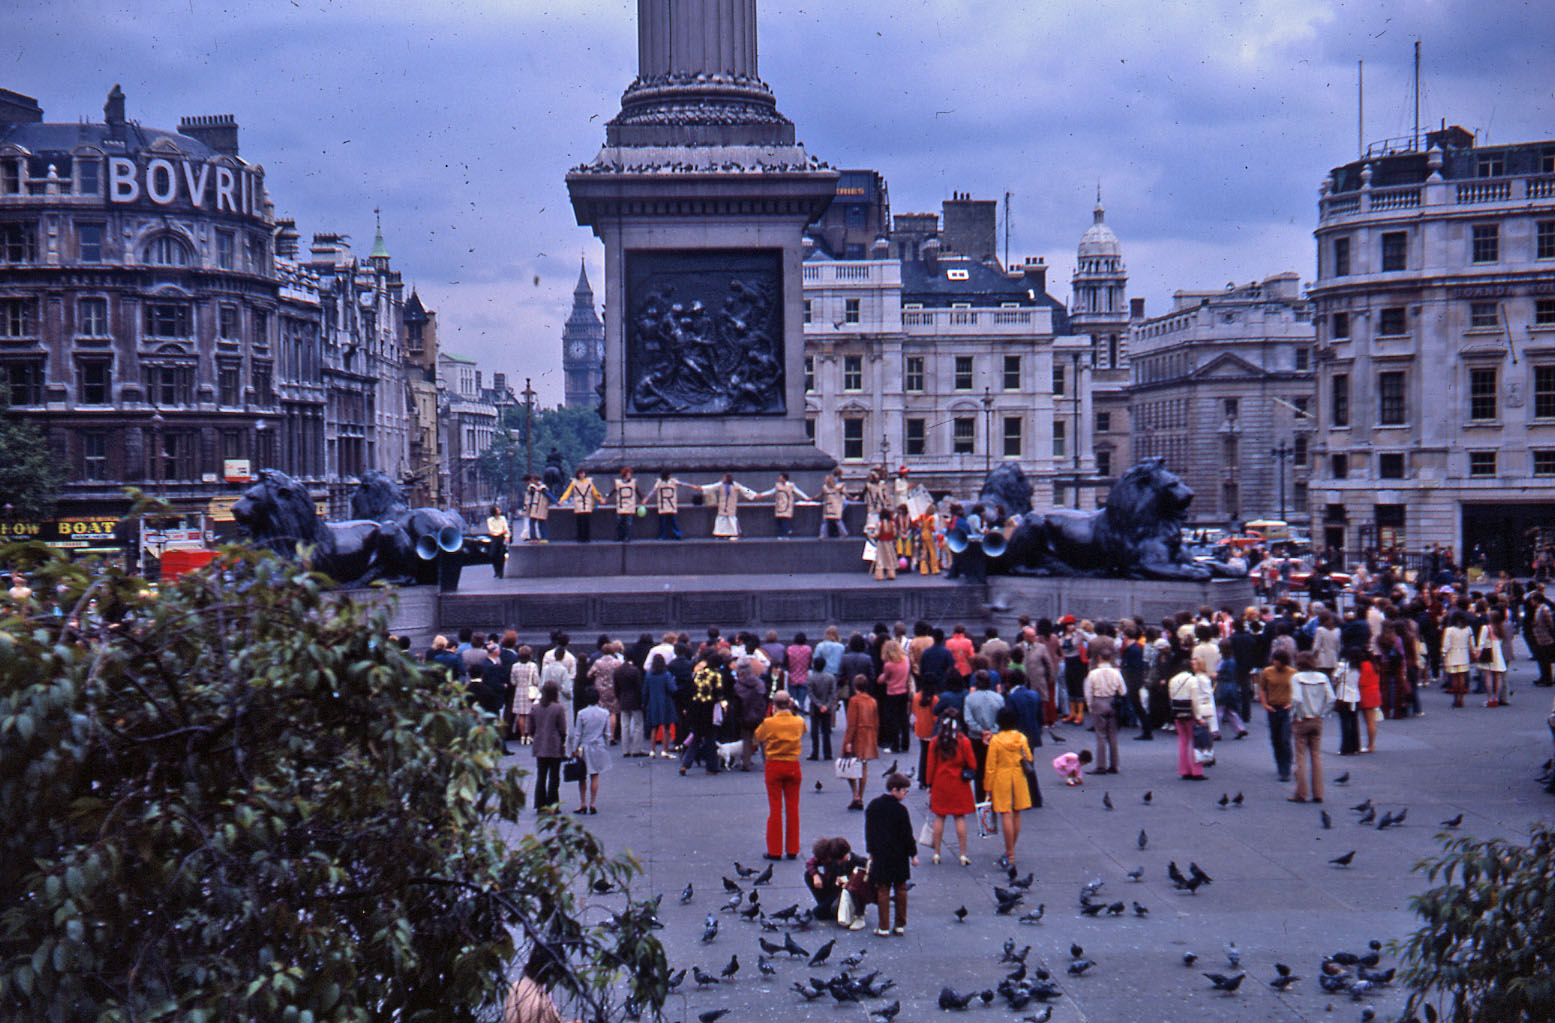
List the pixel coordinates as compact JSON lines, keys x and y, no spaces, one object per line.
{"x":832,"y":862}
{"x":781,"y":737}
{"x":1071,"y":766}
{"x":892,"y":852}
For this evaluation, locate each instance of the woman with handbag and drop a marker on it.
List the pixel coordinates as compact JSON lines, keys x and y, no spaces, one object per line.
{"x":1009,"y":779}
{"x":1488,"y":650}
{"x":1347,"y":701}
{"x":549,"y":743}
{"x":951,"y":766}
{"x":591,"y":744}
{"x":862,"y":739}
{"x":1183,"y":692}
{"x":524,"y":677}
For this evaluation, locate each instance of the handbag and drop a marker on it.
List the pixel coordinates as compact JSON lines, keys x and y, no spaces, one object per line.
{"x":968,"y":774}
{"x":1182,"y":710}
{"x":926,"y":833}
{"x":573,"y":769}
{"x":1119,"y":705}
{"x":1201,"y":736}
{"x":848,"y":768}
{"x":1485,"y":656}
{"x":1033,"y":790}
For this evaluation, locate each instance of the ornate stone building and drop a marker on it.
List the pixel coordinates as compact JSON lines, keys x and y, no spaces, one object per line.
{"x":583,"y":347}
{"x":1435,"y":300}
{"x":1100,"y":310}
{"x":1222,"y":382}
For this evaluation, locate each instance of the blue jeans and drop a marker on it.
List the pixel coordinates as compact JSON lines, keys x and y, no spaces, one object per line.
{"x":1279,"y":738}
{"x":669,"y":527}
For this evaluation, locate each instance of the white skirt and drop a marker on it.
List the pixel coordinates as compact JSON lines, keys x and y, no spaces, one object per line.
{"x":726,"y":525}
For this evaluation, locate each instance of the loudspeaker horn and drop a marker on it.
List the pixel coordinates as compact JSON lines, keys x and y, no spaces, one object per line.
{"x":994,"y":543}
{"x":450,"y":539}
{"x":426,"y":548}
{"x":956,"y":539}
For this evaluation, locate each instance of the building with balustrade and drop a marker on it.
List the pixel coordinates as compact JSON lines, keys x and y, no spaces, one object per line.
{"x":1100,"y":309}
{"x":1221,"y":387}
{"x":1435,"y":360}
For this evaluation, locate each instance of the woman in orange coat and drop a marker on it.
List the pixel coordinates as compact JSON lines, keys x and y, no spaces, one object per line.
{"x":861,"y":740}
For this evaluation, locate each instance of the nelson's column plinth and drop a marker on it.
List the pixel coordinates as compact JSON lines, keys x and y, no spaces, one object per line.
{"x":701,"y":197}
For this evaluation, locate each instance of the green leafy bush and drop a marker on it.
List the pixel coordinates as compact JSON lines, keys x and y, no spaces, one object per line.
{"x":237,"y":800}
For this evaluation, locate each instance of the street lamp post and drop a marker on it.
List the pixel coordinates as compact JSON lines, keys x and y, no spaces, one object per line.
{"x":1281,"y":453}
{"x":987,"y":432}
{"x":529,"y":428}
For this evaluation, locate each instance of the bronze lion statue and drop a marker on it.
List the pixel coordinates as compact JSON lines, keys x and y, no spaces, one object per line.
{"x":277,"y":513}
{"x":1136,"y":535}
{"x":379,"y":498}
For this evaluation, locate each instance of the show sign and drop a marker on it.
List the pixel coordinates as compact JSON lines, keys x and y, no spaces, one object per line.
{"x":78,"y":534}
{"x":201,"y":185}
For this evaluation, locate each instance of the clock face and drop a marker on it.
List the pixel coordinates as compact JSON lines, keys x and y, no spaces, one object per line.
{"x":579,"y":349}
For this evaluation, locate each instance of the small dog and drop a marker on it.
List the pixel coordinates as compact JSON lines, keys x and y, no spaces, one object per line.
{"x":729,"y":754}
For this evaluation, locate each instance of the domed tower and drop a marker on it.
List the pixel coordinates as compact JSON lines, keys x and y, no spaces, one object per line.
{"x":583,"y":347}
{"x":1100,"y":310}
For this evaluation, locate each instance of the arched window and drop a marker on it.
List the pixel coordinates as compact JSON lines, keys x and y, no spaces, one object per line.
{"x":166,"y":250}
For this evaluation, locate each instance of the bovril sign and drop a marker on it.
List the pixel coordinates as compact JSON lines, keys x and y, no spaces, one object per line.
{"x":203,"y":186}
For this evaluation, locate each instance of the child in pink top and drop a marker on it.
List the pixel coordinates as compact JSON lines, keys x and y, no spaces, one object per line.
{"x":1069,"y":766}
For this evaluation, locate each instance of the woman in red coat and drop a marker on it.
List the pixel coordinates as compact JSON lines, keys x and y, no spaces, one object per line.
{"x":950,"y":792}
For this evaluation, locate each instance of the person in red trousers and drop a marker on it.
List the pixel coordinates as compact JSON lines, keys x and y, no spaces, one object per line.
{"x":781,"y":738}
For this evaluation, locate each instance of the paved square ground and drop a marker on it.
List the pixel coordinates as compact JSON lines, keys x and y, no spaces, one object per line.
{"x":1274,"y":893}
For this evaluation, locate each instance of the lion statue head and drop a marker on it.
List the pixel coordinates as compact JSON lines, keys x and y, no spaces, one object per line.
{"x":1006,"y":486}
{"x":377,"y":497}
{"x":277,"y":512}
{"x":1149,"y":500}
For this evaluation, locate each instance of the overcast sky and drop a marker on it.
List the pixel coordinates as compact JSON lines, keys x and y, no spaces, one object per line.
{"x":1209,"y":125}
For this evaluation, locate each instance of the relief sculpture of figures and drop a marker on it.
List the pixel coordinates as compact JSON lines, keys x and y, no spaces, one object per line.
{"x":703,"y":336}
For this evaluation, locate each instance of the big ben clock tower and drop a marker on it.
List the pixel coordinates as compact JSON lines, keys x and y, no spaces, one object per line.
{"x":583,"y":347}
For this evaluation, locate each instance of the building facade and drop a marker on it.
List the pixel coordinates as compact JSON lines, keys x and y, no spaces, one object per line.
{"x":1100,"y":311}
{"x":469,"y":425}
{"x":1435,"y":302}
{"x":1222,"y":388}
{"x":583,"y":348}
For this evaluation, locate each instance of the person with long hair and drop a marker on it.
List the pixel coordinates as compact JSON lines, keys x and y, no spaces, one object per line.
{"x":1490,"y":649}
{"x":659,"y":714}
{"x":1183,"y":694}
{"x":524,"y":679}
{"x":1005,"y":779}
{"x":549,"y":744}
{"x":1370,"y":685}
{"x":950,"y":793}
{"x":861,"y":740}
{"x":1457,"y":655}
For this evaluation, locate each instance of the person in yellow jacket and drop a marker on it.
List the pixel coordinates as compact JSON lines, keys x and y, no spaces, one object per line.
{"x":584,"y":496}
{"x":927,"y":548}
{"x":625,"y":496}
{"x":781,"y":738}
{"x":537,"y":508}
{"x":725,"y":495}
{"x":785,"y":495}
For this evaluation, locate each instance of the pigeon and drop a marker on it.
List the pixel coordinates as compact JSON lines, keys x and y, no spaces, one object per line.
{"x":950,"y":998}
{"x":1141,"y":910}
{"x":771,"y":948}
{"x":888,"y":1013}
{"x":1079,"y":966}
{"x":818,"y":786}
{"x":751,"y":912}
{"x":1224,"y":983}
{"x":1092,"y":908}
{"x":1149,"y":795}
{"x":765,"y":966}
{"x":702,"y":979}
{"x":986,"y":995}
{"x":1282,"y":969}
{"x":1189,"y":958}
{"x":1343,"y":779}
{"x":1196,"y":873}
{"x":1378,"y":977}
{"x":792,"y":947}
{"x":675,"y":979}
{"x":1343,"y":861}
{"x":744,"y":871}
{"x":1369,"y":816}
{"x":764,"y":877}
{"x":1233,"y":954}
{"x":1360,"y":807}
{"x":728,"y":972}
{"x":810,"y":994}
{"x":1177,"y":877}
{"x":1453,"y":822}
{"x":711,"y":1015}
{"x":709,"y":929}
{"x":891,"y":770}
{"x":1016,"y":975}
{"x":733,"y":903}
{"x":730,"y":886}
{"x":1328,"y":822}
{"x":1007,"y":953}
{"x":603,"y":887}
{"x":1116,"y":908}
{"x":1143,"y":839}
{"x":1136,"y":874}
{"x":1283,"y":981}
{"x":1106,"y":800}
{"x":1024,"y":882}
{"x":1007,"y":905}
{"x":1035,"y":916}
{"x":688,"y":894}
{"x":1224,"y":800}
{"x":803,"y":920}
{"x":786,"y":913}
{"x":1344,"y":958}
{"x":842,"y":990}
{"x":1042,"y":1017}
{"x":960,"y":914}
{"x":1237,"y":799}
{"x":1368,"y":1014}
{"x":856,"y":958}
{"x":823,"y":953}
{"x":1091,"y":887}
{"x":1075,"y":951}
{"x":1399,"y":817}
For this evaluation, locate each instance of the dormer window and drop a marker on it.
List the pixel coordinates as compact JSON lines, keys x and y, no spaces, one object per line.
{"x":957,"y":275}
{"x":166,"y":250}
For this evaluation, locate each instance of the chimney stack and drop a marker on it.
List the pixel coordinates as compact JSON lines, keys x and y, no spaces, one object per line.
{"x":219,"y":131}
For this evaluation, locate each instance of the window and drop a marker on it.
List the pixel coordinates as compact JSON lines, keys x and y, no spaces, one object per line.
{"x":1300,"y":455}
{"x":963,"y":380}
{"x":1482,"y":393}
{"x":1012,"y":436}
{"x":178,"y":454}
{"x":1303,"y":358}
{"x":1298,"y":493}
{"x":1483,"y":314}
{"x":1390,"y":399}
{"x":1544,"y":461}
{"x":1544,"y":246}
{"x":88,"y":176}
{"x":913,"y":378}
{"x":913,"y":442}
{"x":1058,"y":379}
{"x":963,"y":435}
{"x":94,"y":455}
{"x":1482,"y":463}
{"x":1491,"y":165}
{"x":1230,"y":405}
{"x":1339,"y":408}
{"x":168,"y":385}
{"x":1339,"y":466}
{"x":1341,"y":325}
{"x":165,"y":250}
{"x":850,"y":310}
{"x":168,"y":319}
{"x":1544,"y":312}
{"x":807,"y":310}
{"x":1299,"y":403}
{"x":1487,"y":243}
{"x":809,"y":373}
{"x":229,"y":386}
{"x":1104,"y":422}
{"x":225,"y":249}
{"x":232,"y":444}
{"x":1390,"y":465}
{"x":10,"y":177}
{"x":93,"y":317}
{"x":1341,"y":257}
{"x":1012,"y":372}
{"x":1104,"y":463}
{"x":853,"y":437}
{"x":809,"y":430}
{"x":1230,"y":453}
{"x":263,"y":394}
{"x":852,"y":372}
{"x":1544,"y":391}
{"x":261,"y":328}
{"x":18,"y":318}
{"x":228,"y":330}
{"x":18,"y":243}
{"x":89,"y":243}
{"x":1394,"y":246}
{"x":1391,"y":322}
{"x":21,"y":382}
{"x":1059,"y":438}
{"x":94,"y":381}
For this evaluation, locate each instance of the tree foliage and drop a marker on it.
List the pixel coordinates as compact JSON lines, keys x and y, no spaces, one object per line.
{"x":1486,"y":953}
{"x":574,"y":432}
{"x":238,"y":800}
{"x":29,"y":474}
